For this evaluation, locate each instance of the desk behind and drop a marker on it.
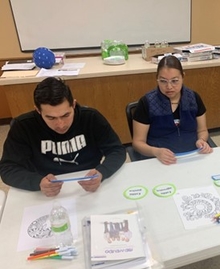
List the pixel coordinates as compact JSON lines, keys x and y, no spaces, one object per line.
{"x":177,"y":246}
{"x":110,"y":88}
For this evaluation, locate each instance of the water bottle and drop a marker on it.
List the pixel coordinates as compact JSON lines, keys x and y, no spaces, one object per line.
{"x":104,"y":48}
{"x":164,"y":44}
{"x":146,"y":44}
{"x":60,"y":226}
{"x":157,"y":44}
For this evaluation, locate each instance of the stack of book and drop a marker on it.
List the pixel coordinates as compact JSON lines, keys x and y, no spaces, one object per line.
{"x":216,"y":52}
{"x":115,"y":242}
{"x":18,"y":65}
{"x":196,"y":52}
{"x":156,"y":58}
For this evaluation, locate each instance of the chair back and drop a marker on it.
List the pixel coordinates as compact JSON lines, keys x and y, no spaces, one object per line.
{"x":130,"y":108}
{"x":134,"y":156}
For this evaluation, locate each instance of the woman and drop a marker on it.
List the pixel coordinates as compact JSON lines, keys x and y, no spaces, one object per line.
{"x":171,"y":118}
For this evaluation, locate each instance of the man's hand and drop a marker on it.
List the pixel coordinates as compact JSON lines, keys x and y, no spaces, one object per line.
{"x":92,"y":184}
{"x":50,"y":188}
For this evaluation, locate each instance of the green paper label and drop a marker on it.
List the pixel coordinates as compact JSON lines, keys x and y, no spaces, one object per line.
{"x":135,"y":192}
{"x":164,"y":190}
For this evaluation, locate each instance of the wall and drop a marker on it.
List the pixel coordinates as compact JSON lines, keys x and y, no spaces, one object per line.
{"x":205,"y":25}
{"x":205,"y":28}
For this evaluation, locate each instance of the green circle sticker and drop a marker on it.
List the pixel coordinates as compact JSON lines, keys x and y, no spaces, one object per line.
{"x":135,"y":192}
{"x":164,"y":190}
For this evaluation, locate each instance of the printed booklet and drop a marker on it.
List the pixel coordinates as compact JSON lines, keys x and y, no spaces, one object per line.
{"x":116,"y":242}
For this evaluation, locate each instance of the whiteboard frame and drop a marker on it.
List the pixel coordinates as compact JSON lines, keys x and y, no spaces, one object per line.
{"x":30,"y":34}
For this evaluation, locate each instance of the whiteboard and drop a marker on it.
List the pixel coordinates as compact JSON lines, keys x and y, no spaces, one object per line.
{"x":74,"y":24}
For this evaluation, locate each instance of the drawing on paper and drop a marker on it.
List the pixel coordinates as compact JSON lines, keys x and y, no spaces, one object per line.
{"x":200,"y":205}
{"x":197,"y":206}
{"x":35,"y":228}
{"x":40,"y":228}
{"x":117,"y":231}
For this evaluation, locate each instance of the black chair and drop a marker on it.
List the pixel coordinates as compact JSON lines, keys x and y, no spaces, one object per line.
{"x":135,"y":156}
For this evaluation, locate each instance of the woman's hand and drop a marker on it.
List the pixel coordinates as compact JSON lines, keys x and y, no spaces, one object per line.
{"x":203,"y":146}
{"x":166,"y":156}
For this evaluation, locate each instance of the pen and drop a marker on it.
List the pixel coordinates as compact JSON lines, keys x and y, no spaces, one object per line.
{"x":216,"y":177}
{"x":60,"y":257}
{"x":73,"y":179}
{"x":54,"y":255}
{"x":46,"y":250}
{"x":64,"y":251}
{"x":43,"y":255}
{"x":37,"y":252}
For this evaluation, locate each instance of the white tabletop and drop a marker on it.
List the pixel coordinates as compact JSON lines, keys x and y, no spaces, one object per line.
{"x":176,"y":246}
{"x":2,"y":202}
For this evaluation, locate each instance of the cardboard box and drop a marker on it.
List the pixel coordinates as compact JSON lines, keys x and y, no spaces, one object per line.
{"x":147,"y":53}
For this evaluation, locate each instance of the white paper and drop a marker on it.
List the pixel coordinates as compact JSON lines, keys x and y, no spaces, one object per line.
{"x":69,"y":66}
{"x":21,"y":66}
{"x":35,"y":227}
{"x":195,"y":48}
{"x":197,"y":206}
{"x":57,"y":72}
{"x":187,"y":154}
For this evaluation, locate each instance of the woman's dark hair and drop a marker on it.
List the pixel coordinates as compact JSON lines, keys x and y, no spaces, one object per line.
{"x":170,"y":61}
{"x":52,"y":91}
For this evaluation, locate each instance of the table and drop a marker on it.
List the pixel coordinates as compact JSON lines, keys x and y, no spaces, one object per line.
{"x":2,"y":202}
{"x":110,"y":88}
{"x":176,"y":246}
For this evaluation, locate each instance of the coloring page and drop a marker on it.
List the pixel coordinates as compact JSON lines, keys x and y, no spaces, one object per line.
{"x":197,"y":206}
{"x":35,"y":226}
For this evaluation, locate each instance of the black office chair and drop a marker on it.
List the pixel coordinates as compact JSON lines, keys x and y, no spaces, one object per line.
{"x":135,"y":156}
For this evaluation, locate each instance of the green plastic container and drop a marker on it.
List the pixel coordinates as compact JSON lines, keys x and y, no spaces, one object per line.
{"x":114,"y":48}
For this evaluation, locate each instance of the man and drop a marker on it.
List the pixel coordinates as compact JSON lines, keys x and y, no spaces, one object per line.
{"x":59,"y":137}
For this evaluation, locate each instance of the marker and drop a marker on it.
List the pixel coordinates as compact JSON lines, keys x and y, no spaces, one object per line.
{"x":60,"y":257}
{"x":37,"y":252}
{"x":73,"y":179}
{"x":216,"y":218}
{"x":216,"y":177}
{"x":41,"y":253}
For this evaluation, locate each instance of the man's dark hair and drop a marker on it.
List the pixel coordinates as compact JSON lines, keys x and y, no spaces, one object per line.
{"x":52,"y":91}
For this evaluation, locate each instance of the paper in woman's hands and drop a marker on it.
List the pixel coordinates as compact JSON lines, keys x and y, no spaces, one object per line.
{"x":187,"y":153}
